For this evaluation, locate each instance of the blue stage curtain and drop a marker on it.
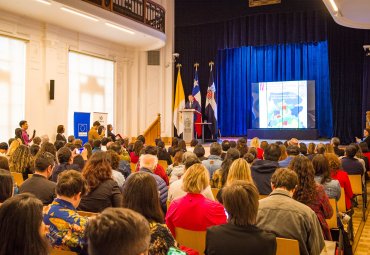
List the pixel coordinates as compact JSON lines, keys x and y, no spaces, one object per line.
{"x":238,"y":68}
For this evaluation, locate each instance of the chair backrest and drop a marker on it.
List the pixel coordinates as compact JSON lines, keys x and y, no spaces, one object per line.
{"x":287,"y":246}
{"x":18,"y":178}
{"x":332,"y":222}
{"x":133,"y":167}
{"x":29,"y":175}
{"x":342,"y":201}
{"x":87,"y":214}
{"x":163,"y":163}
{"x":356,"y":183}
{"x":195,"y":240}
{"x":61,"y":252}
{"x":215,"y":192}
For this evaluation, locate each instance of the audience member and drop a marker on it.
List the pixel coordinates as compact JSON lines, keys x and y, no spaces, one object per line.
{"x":233,"y":144}
{"x":18,"y":140}
{"x":113,"y":158}
{"x":214,"y":160}
{"x":39,"y":183}
{"x":118,"y":231}
{"x":177,"y":169}
{"x":21,"y":228}
{"x":174,"y":145}
{"x":59,"y":144}
{"x":194,"y":211}
{"x":93,"y":132}
{"x":320,"y":148}
{"x":239,"y":170}
{"x":6,"y":185}
{"x":225,"y":145}
{"x":337,"y":174}
{"x":262,"y":170}
{"x":79,"y":162}
{"x":23,"y":124}
{"x":280,"y":214}
{"x":366,"y":137}
{"x":65,"y":161}
{"x":60,"y":134}
{"x":88,"y":148}
{"x":36,"y":141}
{"x":66,"y":227}
{"x":71,"y":139}
{"x":141,"y":138}
{"x":140,"y":194}
{"x":148,"y":164}
{"x":255,"y":143}
{"x":96,"y":146}
{"x":104,"y":142}
{"x":4,"y":163}
{"x":3,"y":149}
{"x":193,"y":142}
{"x":264,"y":145}
{"x":322,"y":176}
{"x":240,"y":235}
{"x":329,"y":148}
{"x":303,"y":149}
{"x":110,"y":133}
{"x":220,"y":176}
{"x":134,"y":156}
{"x":350,"y":164}
{"x":360,"y":156}
{"x":163,"y":154}
{"x":283,"y":154}
{"x":158,"y":170}
{"x":48,"y":147}
{"x":311,"y":151}
{"x":20,"y":161}
{"x":292,"y":151}
{"x":310,"y":193}
{"x":241,"y":145}
{"x":335,"y":142}
{"x":200,"y":152}
{"x":176,"y":191}
{"x":103,"y":190}
{"x":249,"y":157}
{"x":44,"y":139}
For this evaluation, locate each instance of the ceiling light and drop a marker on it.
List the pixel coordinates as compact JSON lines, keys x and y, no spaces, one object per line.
{"x":120,"y":28}
{"x":334,"y":5}
{"x":44,"y":2}
{"x":79,"y":14}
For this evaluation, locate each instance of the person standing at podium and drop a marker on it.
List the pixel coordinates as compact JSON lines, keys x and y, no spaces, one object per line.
{"x":192,"y":104}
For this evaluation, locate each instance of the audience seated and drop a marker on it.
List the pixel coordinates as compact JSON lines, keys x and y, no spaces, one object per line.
{"x":140,"y":194}
{"x":176,"y":191}
{"x":79,"y":161}
{"x":18,"y":140}
{"x":250,"y":157}
{"x":3,"y":149}
{"x":239,"y":171}
{"x":65,"y":161}
{"x":351,"y":164}
{"x":158,"y":170}
{"x":39,"y":183}
{"x":335,"y":142}
{"x":262,"y":170}
{"x":337,"y":174}
{"x":241,"y":145}
{"x":21,"y":227}
{"x":264,"y":145}
{"x":283,"y":154}
{"x":65,"y":226}
{"x":134,"y":156}
{"x":225,"y":145}
{"x":322,"y":176}
{"x":96,"y":146}
{"x":280,"y":214}
{"x":194,"y":211}
{"x":124,"y":158}
{"x":6,"y":185}
{"x":88,"y":148}
{"x":214,"y":160}
{"x":163,"y":154}
{"x":360,"y":156}
{"x":311,"y":151}
{"x":113,"y":159}
{"x":103,"y":190}
{"x":200,"y":152}
{"x":118,"y":231}
{"x":292,"y":151}
{"x":255,"y":143}
{"x":329,"y":148}
{"x":303,"y":149}
{"x":240,"y":235}
{"x":174,"y":145}
{"x":310,"y":193}
{"x":20,"y":161}
{"x":4,"y":163}
{"x":148,"y":163}
{"x":219,"y":177}
{"x":177,"y":169}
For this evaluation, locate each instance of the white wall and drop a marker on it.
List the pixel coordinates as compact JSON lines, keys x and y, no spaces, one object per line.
{"x":141,"y":91}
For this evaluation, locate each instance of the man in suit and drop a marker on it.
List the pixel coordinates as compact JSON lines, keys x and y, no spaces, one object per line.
{"x":192,"y":104}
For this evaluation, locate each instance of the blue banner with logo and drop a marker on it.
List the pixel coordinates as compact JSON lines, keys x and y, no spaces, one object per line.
{"x":81,"y":125}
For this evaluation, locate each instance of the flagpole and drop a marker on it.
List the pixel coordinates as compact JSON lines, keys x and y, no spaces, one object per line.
{"x":211,"y":64}
{"x":196,"y":65}
{"x":178,"y":66}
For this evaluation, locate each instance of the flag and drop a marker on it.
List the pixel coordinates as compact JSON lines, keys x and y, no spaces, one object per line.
{"x":197,"y":97}
{"x":211,"y":105}
{"x":179,"y":105}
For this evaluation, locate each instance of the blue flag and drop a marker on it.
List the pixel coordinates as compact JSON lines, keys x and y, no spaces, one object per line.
{"x":211,"y":104}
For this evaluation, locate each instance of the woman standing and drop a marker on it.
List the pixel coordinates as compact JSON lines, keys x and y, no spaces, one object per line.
{"x":60,"y":134}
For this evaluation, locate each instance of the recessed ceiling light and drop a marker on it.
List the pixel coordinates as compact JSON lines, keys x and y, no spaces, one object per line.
{"x":120,"y":28}
{"x":79,"y":14}
{"x":44,"y":2}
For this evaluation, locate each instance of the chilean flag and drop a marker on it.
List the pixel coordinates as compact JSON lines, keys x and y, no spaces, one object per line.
{"x":197,"y":97}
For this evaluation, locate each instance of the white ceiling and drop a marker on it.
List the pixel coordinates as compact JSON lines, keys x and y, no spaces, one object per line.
{"x":352,"y":13}
{"x":144,"y":37}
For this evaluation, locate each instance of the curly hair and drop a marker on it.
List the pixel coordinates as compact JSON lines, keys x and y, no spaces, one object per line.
{"x":97,"y":170}
{"x":306,"y":188}
{"x":20,"y":160}
{"x":113,"y":158}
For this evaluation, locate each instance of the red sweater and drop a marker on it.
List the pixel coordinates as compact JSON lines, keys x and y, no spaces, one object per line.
{"x":343,"y":179}
{"x":194,"y":212}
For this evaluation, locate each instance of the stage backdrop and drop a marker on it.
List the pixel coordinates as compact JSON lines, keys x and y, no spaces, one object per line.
{"x":238,"y":68}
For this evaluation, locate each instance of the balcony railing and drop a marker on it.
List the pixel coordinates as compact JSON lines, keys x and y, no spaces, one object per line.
{"x":144,"y":11}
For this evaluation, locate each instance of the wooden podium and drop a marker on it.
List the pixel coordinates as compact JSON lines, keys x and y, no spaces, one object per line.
{"x":188,"y":120}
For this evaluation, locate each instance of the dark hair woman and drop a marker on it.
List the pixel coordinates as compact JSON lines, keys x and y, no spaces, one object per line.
{"x":18,"y":140}
{"x":6,"y":185}
{"x":103,"y":190}
{"x":21,"y":227}
{"x":174,"y":145}
{"x":220,"y":176}
{"x":140,"y":193}
{"x":310,"y":193}
{"x":138,"y":146}
{"x":110,"y":133}
{"x":20,"y":161}
{"x":60,"y":134}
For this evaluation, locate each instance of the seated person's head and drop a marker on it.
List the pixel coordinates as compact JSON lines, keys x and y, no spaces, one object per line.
{"x":96,"y":124}
{"x":71,"y":186}
{"x":118,"y":231}
{"x":10,"y":141}
{"x":225,"y":145}
{"x":320,"y":148}
{"x":21,"y":226}
{"x":64,"y":155}
{"x":160,"y":144}
{"x":293,"y":141}
{"x":4,"y":147}
{"x":71,"y":139}
{"x":78,"y":143}
{"x":335,"y":141}
{"x":333,"y":161}
{"x":199,"y":151}
{"x":152,"y":150}
{"x":116,"y":147}
{"x":59,"y":144}
{"x":303,"y":148}
{"x":215,"y":149}
{"x":232,"y":144}
{"x":48,"y":147}
{"x":272,"y":152}
{"x":191,"y":160}
{"x":351,"y":151}
{"x":141,"y":138}
{"x":113,"y":159}
{"x":292,"y":150}
{"x":34,"y":149}
{"x":44,"y":163}
{"x":148,"y":161}
{"x":264,"y":145}
{"x":79,"y":161}
{"x":249,"y":157}
{"x":193,"y":142}
{"x":4,"y":163}
{"x":97,"y":143}
{"x":240,"y":200}
{"x":196,"y":179}
{"x":105,"y":141}
{"x":6,"y":185}
{"x":284,"y":178}
{"x":36,"y":140}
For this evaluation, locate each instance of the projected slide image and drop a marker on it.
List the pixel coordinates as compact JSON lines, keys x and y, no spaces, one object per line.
{"x":283,"y":104}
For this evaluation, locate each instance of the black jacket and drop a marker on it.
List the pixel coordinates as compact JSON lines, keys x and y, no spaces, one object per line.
{"x":41,"y":187}
{"x":262,"y":170}
{"x":229,"y":239}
